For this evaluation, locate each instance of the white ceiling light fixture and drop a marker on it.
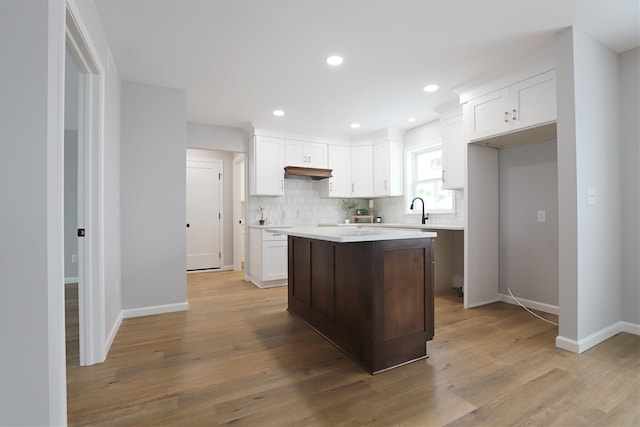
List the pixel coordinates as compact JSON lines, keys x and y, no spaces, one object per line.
{"x":355,"y":125}
{"x":278,"y":113}
{"x":411,"y":119}
{"x":334,"y":60}
{"x":431,"y":88}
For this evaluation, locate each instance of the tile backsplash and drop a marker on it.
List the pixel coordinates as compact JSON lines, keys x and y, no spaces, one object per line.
{"x":301,"y":205}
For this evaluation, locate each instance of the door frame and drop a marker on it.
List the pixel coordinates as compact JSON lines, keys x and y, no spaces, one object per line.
{"x":239,"y":195}
{"x":220,"y":164}
{"x":91,"y":300}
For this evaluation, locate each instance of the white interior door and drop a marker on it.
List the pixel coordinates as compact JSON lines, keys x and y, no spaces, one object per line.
{"x":204,"y":214}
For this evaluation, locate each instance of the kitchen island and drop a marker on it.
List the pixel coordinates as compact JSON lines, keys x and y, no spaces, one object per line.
{"x":367,"y":291}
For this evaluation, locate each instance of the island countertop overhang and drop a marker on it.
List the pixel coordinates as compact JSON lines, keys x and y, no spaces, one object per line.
{"x":350,"y":235}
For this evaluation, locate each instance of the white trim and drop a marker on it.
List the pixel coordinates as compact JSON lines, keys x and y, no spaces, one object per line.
{"x":211,"y":270}
{"x":597,"y":337}
{"x":155,"y":309}
{"x":534,"y":305}
{"x":56,"y":383}
{"x":113,"y":332}
{"x":480,"y":303}
{"x":69,"y":280}
{"x":630,"y":328}
{"x":567,"y":344}
{"x":91,"y":293}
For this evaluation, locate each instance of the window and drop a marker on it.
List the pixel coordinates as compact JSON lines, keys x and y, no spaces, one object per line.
{"x":424,"y":180}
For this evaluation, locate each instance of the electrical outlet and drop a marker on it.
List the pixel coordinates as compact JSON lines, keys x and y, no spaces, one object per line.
{"x":542,"y":216}
{"x":74,"y":258}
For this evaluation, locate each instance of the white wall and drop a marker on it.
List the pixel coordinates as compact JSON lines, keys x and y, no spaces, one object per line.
{"x":32,"y":371}
{"x":70,"y":204}
{"x":33,"y":386}
{"x":528,"y":248}
{"x":153,"y":165}
{"x":212,"y":137}
{"x":630,"y":155}
{"x":227,"y":196}
{"x":70,"y":167}
{"x":588,"y":157}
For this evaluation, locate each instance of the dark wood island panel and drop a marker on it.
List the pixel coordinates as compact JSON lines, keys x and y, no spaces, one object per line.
{"x":373,"y":300}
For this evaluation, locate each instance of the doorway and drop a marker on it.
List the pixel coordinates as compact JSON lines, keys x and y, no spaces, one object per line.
{"x":204,"y":214}
{"x":239,"y":162}
{"x":88,"y":172}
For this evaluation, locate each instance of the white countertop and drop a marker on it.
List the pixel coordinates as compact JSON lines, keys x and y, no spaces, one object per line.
{"x":453,"y":227}
{"x":354,"y":233}
{"x":269,"y":227}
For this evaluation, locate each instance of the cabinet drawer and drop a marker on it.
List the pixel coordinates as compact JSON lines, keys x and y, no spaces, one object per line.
{"x":272,"y":235}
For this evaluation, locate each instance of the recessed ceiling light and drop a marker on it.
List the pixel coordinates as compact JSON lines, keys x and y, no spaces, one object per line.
{"x":334,"y":60}
{"x":278,"y":113}
{"x":412,"y":119}
{"x":355,"y":125}
{"x":431,"y":88}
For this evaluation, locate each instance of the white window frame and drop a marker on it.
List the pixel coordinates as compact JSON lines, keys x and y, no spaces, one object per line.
{"x":410,"y":185}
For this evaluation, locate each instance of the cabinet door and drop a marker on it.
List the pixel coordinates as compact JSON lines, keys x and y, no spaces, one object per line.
{"x":533,"y":101}
{"x":487,"y":115}
{"x":305,"y":154}
{"x":453,"y":153}
{"x":274,"y":260}
{"x":362,"y":171}
{"x":339,"y":160}
{"x":316,"y":155}
{"x":269,"y":166}
{"x":387,"y":169}
{"x":294,"y":153}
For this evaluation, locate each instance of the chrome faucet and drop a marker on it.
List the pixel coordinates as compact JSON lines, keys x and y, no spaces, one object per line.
{"x":424,"y":218}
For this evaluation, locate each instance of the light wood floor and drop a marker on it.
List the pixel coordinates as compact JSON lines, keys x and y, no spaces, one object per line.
{"x":238,"y":358}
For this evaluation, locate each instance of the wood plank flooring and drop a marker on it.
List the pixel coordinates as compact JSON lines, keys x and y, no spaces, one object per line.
{"x":238,"y":358}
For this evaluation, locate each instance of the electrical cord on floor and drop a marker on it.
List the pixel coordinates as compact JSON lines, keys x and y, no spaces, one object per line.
{"x":521,"y":305}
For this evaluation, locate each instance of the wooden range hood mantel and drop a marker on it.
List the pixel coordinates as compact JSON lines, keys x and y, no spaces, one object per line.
{"x":301,"y":172}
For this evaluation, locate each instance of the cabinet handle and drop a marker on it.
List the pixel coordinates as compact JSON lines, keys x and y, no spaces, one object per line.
{"x":385,"y":184}
{"x":330,"y":187}
{"x":513,"y":114}
{"x":282,"y":184}
{"x":443,"y":180}
{"x":506,"y":117}
{"x":353,"y":188}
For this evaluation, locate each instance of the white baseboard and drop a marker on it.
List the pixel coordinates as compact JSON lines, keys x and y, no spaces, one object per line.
{"x":534,"y":305}
{"x":597,"y":337}
{"x":112,"y":333}
{"x":68,"y":280}
{"x":156,"y":309}
{"x":481,"y":303}
{"x":209,"y":270}
{"x":631,"y":328}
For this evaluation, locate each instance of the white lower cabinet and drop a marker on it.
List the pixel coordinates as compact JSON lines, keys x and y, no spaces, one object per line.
{"x":267,"y":258}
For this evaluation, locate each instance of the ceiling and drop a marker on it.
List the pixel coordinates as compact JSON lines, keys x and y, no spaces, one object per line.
{"x":239,"y":60}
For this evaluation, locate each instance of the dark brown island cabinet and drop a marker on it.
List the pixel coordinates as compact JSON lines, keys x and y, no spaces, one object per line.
{"x":371,"y":299}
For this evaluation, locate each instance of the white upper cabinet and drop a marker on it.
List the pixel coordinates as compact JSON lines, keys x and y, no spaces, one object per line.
{"x":387,"y":169}
{"x":305,"y":154}
{"x":340,"y":164}
{"x":362,"y":171}
{"x":453,"y":152}
{"x":527,"y":103}
{"x":533,"y":101}
{"x":266,"y":166}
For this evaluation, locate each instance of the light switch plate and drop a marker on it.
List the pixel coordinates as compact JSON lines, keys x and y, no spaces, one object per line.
{"x":591,"y":196}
